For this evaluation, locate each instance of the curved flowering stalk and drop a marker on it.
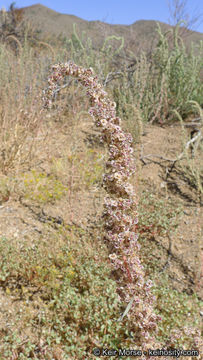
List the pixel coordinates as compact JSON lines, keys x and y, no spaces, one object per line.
{"x":120,"y":206}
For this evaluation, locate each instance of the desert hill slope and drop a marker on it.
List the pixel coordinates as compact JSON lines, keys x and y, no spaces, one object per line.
{"x":141,"y":34}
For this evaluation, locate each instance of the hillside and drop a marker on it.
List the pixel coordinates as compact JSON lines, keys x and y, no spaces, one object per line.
{"x":140,"y":35}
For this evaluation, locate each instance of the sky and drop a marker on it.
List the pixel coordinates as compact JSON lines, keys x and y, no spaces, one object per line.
{"x":117,"y":11}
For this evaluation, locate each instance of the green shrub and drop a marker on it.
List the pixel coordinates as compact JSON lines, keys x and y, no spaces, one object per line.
{"x":165,"y":81}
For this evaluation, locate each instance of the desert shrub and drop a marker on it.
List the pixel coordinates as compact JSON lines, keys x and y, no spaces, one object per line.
{"x":178,"y":75}
{"x":166,"y":80}
{"x":104,"y":58}
{"x":15,"y":30}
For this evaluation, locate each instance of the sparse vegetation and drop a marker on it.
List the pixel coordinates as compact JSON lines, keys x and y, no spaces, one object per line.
{"x":58,"y":293}
{"x":41,"y":188}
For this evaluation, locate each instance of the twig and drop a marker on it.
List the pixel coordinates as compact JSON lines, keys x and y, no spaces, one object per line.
{"x":59,"y":88}
{"x":191,"y":141}
{"x":63,"y":86}
{"x":196,"y":122}
{"x":112,"y":76}
{"x":156,"y":156}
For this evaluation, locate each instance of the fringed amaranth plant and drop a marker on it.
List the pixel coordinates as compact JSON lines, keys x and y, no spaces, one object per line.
{"x":120,"y":207}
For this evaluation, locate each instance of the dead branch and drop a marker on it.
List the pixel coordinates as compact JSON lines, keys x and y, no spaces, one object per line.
{"x":179,"y":157}
{"x":112,"y":76}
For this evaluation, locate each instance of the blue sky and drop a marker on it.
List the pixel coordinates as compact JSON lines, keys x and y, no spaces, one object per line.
{"x":115,"y":11}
